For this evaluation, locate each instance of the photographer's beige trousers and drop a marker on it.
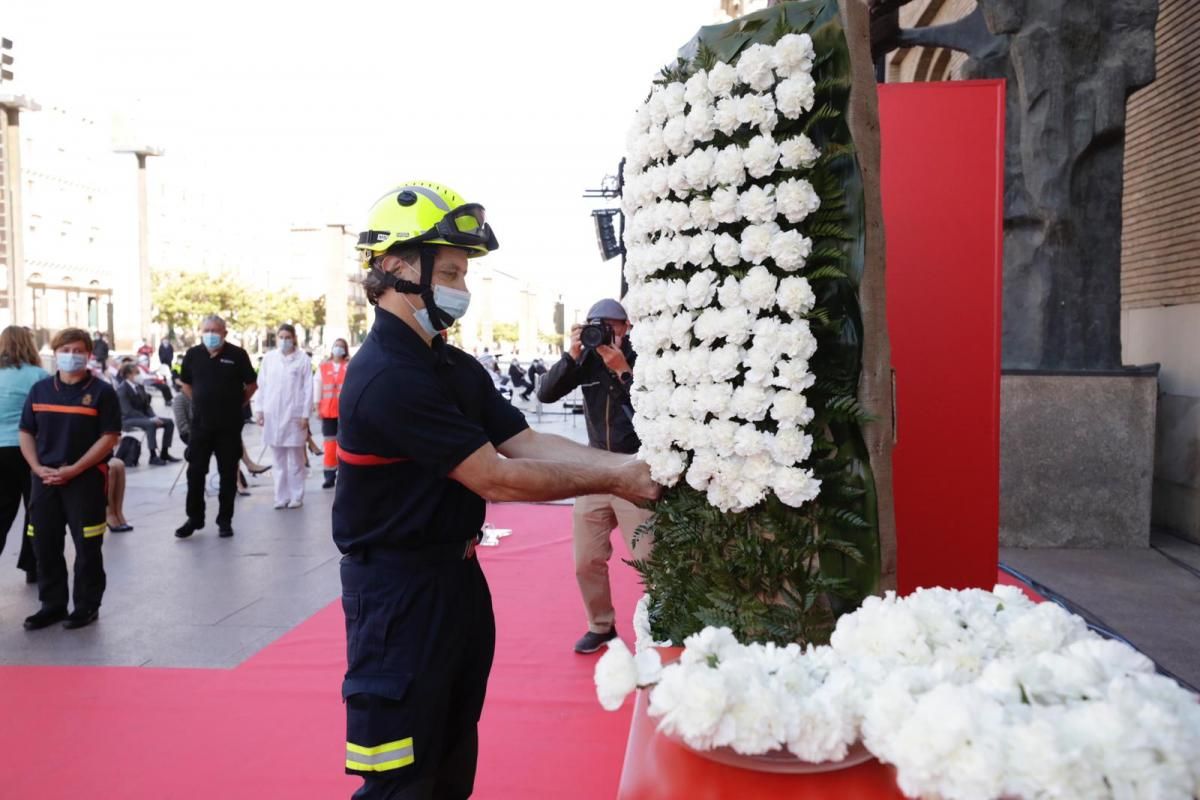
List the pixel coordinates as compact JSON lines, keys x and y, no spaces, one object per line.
{"x":595,"y":517}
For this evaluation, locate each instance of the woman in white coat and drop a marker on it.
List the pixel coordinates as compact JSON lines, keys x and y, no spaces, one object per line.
{"x":282,"y":406}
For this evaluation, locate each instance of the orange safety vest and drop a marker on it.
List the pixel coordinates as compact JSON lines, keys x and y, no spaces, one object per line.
{"x":331,"y":388}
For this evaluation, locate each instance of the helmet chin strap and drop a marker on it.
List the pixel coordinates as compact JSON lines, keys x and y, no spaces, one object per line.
{"x":439,"y":318}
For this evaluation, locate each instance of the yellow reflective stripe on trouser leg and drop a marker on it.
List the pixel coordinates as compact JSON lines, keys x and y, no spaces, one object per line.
{"x":90,"y":531}
{"x":390,"y":755}
{"x":29,"y":530}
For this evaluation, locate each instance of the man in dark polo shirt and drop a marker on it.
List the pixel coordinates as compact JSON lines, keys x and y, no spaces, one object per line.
{"x":219,"y":379}
{"x":424,"y":441}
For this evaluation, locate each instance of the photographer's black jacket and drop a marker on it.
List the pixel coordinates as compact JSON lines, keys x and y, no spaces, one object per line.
{"x":605,"y":398}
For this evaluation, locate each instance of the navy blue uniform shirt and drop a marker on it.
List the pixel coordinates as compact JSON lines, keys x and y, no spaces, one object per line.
{"x":66,"y":419}
{"x":410,"y":414}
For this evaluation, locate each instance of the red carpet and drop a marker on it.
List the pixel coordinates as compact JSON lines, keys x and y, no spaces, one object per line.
{"x":274,"y":728}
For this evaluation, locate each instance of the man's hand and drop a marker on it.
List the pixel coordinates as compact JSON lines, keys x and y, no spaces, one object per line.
{"x":636,"y":485}
{"x":576,"y":343}
{"x":258,"y":418}
{"x":158,"y":423}
{"x":68,"y":474}
{"x":614,"y":359}
{"x":48,"y":475}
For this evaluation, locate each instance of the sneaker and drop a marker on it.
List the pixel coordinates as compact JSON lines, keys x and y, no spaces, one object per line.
{"x":187,"y":529}
{"x":592,"y":641}
{"x":44,"y":618}
{"x":295,"y":504}
{"x":278,"y":506}
{"x":224,"y":531}
{"x":81,"y":618}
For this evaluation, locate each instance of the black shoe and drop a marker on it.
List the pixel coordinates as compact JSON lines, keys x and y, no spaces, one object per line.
{"x":44,"y":618}
{"x":155,"y":461}
{"x":170,"y":458}
{"x":120,"y":528}
{"x":591,"y":642}
{"x":81,"y":618}
{"x":224,"y":531}
{"x":187,"y":529}
{"x":330,"y":479}
{"x":260,"y":470}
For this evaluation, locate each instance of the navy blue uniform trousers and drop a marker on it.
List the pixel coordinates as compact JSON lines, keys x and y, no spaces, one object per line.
{"x":420,"y":636}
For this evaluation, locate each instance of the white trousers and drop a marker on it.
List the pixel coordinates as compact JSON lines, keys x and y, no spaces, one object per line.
{"x":289,"y":474}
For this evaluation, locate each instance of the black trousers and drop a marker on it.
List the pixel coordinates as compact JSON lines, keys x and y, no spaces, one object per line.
{"x":14,"y":496}
{"x":80,"y":506}
{"x":226,"y":445}
{"x":150,"y":426}
{"x":420,"y":636}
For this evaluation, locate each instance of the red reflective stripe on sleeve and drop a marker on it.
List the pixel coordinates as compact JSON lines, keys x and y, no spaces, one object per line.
{"x":53,"y":409}
{"x":360,"y":460}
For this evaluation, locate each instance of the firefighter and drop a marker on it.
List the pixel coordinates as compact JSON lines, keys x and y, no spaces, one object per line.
{"x":333,"y":374}
{"x":420,"y":443}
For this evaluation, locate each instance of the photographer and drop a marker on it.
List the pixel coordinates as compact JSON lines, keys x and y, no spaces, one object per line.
{"x":601,"y":362}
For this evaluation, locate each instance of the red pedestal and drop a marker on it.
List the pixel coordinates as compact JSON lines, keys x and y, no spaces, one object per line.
{"x":943,"y":183}
{"x":657,"y":768}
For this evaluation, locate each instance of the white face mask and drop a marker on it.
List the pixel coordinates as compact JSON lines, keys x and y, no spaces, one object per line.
{"x":338,"y":351}
{"x":453,"y":301}
{"x":287,"y":345}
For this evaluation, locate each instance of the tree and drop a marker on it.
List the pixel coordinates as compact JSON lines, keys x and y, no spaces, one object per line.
{"x":505,"y":332}
{"x":183,"y":301}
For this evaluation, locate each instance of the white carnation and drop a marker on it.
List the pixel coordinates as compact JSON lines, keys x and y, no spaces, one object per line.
{"x":701,"y":288}
{"x":790,"y":250}
{"x":735,"y":325}
{"x":675,"y":135}
{"x":699,"y":168}
{"x":729,"y":295}
{"x":795,"y":296}
{"x":677,"y":178}
{"x":702,"y":216}
{"x":711,"y":398}
{"x":724,"y":363}
{"x":757,"y":241}
{"x":750,"y":441}
{"x":758,"y":289}
{"x":756,"y":110}
{"x":656,"y":147}
{"x":791,"y":409}
{"x":616,"y":675}
{"x":761,"y":156}
{"x":790,"y":446}
{"x":751,"y":403}
{"x":724,"y":205}
{"x":796,"y":341}
{"x":696,"y":91}
{"x":756,"y":67}
{"x":730,"y":168}
{"x":727,"y":250}
{"x":681,"y":329}
{"x":795,"y":95}
{"x":700,"y":249}
{"x":701,"y":122}
{"x":725,"y":118}
{"x":657,"y":177}
{"x":795,"y":486}
{"x":757,"y":204}
{"x":797,"y":199}
{"x":721,"y":433}
{"x":793,"y":53}
{"x":705,"y":463}
{"x":797,"y":152}
{"x":708,"y":325}
{"x":667,"y":466}
{"x":655,"y":108}
{"x":676,"y":216}
{"x":676,"y":296}
{"x":673,"y":99}
{"x":721,"y":79}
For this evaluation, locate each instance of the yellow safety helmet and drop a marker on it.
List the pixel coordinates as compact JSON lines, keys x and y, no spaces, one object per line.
{"x":420,"y":213}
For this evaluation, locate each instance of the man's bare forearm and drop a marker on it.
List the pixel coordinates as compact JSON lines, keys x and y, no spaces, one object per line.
{"x":535,"y":480}
{"x":550,"y":447}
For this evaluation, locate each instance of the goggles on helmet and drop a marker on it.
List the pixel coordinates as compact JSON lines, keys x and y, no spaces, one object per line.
{"x":465,"y":226}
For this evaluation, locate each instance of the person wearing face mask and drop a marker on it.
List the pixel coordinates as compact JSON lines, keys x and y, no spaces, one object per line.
{"x":69,"y":426}
{"x":282,"y":407}
{"x":605,"y":372}
{"x":333,"y":375}
{"x":424,"y":441}
{"x":219,"y":379}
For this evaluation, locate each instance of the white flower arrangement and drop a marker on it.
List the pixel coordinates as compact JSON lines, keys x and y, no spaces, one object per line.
{"x":970,"y":694}
{"x":712,"y":252}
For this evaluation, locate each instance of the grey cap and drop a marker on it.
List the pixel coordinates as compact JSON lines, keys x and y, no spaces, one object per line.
{"x":607,"y":309}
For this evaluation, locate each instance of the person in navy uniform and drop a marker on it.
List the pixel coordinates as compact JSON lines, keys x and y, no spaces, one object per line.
{"x":423,"y":431}
{"x":69,"y":426}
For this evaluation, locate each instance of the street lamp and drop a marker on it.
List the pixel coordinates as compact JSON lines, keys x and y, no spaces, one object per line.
{"x":142,"y":284}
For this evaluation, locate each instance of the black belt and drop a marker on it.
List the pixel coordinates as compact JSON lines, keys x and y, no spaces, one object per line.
{"x":437,"y":552}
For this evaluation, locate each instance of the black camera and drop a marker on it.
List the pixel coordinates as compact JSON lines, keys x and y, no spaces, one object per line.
{"x":595,"y":333}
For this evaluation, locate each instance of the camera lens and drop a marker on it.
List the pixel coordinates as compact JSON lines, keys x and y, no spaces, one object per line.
{"x":592,"y":336}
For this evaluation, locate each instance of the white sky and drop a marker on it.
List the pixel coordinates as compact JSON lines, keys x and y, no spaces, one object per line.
{"x":306,"y":111}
